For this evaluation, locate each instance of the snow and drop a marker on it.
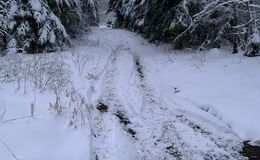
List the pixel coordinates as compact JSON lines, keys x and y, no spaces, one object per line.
{"x":22,"y":29}
{"x":13,"y":8}
{"x":42,"y":137}
{"x":58,"y":24}
{"x":226,"y":85}
{"x":174,"y":104}
{"x":103,"y":16}
{"x":256,"y":38}
{"x":44,"y":34}
{"x":36,"y":5}
{"x":52,"y":37}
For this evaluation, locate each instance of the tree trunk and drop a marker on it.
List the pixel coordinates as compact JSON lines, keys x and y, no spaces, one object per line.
{"x":235,"y":32}
{"x":249,"y":33}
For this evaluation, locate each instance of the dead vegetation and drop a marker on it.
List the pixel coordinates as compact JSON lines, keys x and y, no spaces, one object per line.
{"x":79,"y":109}
{"x":2,"y":111}
{"x":79,"y":61}
{"x":41,"y":72}
{"x":48,"y":73}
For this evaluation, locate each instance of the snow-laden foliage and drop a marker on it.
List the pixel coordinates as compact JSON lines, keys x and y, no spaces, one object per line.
{"x":4,"y":22}
{"x":75,"y":15}
{"x":252,"y":47}
{"x":90,"y":12}
{"x":36,"y":28}
{"x":171,"y":20}
{"x":185,"y":23}
{"x":44,"y":25}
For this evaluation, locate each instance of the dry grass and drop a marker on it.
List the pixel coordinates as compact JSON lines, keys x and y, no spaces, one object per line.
{"x":48,"y":73}
{"x":2,"y":111}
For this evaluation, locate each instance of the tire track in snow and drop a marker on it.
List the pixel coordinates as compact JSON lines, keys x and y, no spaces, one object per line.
{"x":171,"y":125}
{"x":162,"y":131}
{"x":102,"y":122}
{"x":151,"y":144}
{"x":109,"y":120}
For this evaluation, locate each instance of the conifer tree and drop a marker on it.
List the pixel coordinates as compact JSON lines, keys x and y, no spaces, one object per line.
{"x":4,"y":21}
{"x":36,"y":28}
{"x":44,"y":25}
{"x":253,"y":35}
{"x":188,"y":23}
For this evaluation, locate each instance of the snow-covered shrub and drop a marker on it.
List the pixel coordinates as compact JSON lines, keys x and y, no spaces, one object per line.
{"x":45,"y":73}
{"x":79,"y":61}
{"x":79,"y":111}
{"x":39,"y":72}
{"x":11,"y":67}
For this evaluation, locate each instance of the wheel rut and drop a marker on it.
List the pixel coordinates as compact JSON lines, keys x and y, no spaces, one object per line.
{"x":158,"y":131}
{"x":170,"y":129}
{"x":110,"y":114}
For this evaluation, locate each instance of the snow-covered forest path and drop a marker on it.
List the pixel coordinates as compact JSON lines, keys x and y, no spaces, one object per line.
{"x":134,"y":119}
{"x":115,"y":96}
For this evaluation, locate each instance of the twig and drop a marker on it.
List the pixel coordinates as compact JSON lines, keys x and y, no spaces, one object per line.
{"x":14,"y":119}
{"x":6,"y":146}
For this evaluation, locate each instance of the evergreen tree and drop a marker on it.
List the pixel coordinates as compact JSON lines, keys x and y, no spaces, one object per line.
{"x":89,"y":12}
{"x":44,"y":25}
{"x":4,"y":21}
{"x":253,"y":36}
{"x":75,"y":15}
{"x":182,"y":22}
{"x":234,"y":24}
{"x":36,"y":28}
{"x":187,"y":23}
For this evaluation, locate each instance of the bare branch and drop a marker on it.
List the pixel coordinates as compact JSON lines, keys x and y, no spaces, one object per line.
{"x":8,"y":148}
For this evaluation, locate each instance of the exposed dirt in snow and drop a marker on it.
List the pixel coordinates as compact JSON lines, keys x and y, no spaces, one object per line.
{"x":252,"y":152}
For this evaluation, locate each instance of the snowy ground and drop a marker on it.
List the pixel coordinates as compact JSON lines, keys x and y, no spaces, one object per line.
{"x":115,"y":97}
